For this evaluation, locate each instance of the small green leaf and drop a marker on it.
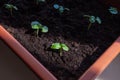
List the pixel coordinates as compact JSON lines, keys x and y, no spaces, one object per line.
{"x":92,"y":19}
{"x":56,"y":46}
{"x":36,"y":25}
{"x":67,"y":9}
{"x":61,"y":9}
{"x":10,"y":6}
{"x":113,"y":10}
{"x":41,"y":0}
{"x":98,"y":20}
{"x":64,"y":47}
{"x":15,"y":7}
{"x":44,"y":29}
{"x":7,"y":6}
{"x":56,"y":6}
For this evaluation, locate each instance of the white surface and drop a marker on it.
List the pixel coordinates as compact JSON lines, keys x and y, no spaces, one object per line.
{"x":112,"y":72}
{"x":12,"y":68}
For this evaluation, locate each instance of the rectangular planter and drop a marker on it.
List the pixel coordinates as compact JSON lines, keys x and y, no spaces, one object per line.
{"x":19,"y":50}
{"x":96,"y":69}
{"x":91,"y":74}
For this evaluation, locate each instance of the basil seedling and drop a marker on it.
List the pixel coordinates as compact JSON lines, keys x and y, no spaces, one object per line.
{"x":60,"y":47}
{"x":61,"y":9}
{"x":38,"y":1}
{"x":36,"y":25}
{"x":113,"y":10}
{"x":10,"y":7}
{"x":93,"y":19}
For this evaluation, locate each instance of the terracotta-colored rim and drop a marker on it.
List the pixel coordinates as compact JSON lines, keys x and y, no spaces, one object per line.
{"x":36,"y":66}
{"x":106,"y":58}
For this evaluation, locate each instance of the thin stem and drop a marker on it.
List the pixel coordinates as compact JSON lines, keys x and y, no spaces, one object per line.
{"x":60,"y":51}
{"x":89,"y":26}
{"x":11,"y":11}
{"x":37,"y":32}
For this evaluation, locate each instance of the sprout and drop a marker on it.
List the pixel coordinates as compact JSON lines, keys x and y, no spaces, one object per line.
{"x":93,"y":19}
{"x":61,"y":9}
{"x":37,"y":1}
{"x":113,"y":10}
{"x":60,"y":47}
{"x":56,"y":6}
{"x":36,"y":25}
{"x":10,"y":7}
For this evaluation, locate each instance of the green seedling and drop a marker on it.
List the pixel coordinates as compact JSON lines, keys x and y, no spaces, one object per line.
{"x":10,"y":7}
{"x":61,"y":9}
{"x":37,"y":26}
{"x":60,"y":47}
{"x":93,"y":19}
{"x":113,"y":10}
{"x":38,"y":1}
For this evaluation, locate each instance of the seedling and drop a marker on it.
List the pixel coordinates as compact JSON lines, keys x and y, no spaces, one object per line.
{"x":93,"y":19}
{"x":38,"y":1}
{"x":37,"y":26}
{"x":60,"y":47}
{"x":113,"y":10}
{"x":61,"y":9}
{"x":10,"y":7}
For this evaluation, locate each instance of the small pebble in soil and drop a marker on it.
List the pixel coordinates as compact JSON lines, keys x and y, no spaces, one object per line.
{"x":10,"y":30}
{"x":74,"y":44}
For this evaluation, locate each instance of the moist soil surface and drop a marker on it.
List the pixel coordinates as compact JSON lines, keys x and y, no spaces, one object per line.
{"x":70,"y":28}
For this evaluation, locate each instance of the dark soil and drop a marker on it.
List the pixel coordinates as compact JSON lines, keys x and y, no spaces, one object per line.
{"x":70,"y":28}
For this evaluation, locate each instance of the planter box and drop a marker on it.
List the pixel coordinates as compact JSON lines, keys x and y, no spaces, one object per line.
{"x":103,"y":62}
{"x":92,"y":73}
{"x":19,"y":50}
{"x":96,"y":69}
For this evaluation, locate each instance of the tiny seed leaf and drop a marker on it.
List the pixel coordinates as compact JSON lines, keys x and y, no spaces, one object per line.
{"x":44,"y":29}
{"x":15,"y":7}
{"x":56,"y":46}
{"x":113,"y":10}
{"x":36,"y":25}
{"x":92,"y":19}
{"x":61,"y":9}
{"x":41,"y":0}
{"x":56,"y":6}
{"x":98,"y":20}
{"x":64,"y":47}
